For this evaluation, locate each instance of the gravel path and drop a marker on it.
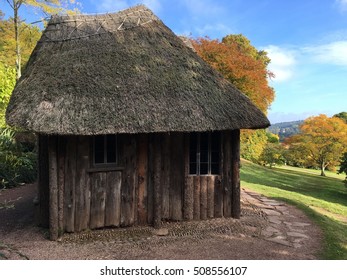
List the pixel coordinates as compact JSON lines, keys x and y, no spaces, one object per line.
{"x":268,"y":229}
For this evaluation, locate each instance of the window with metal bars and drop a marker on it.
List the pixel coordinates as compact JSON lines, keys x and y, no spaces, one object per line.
{"x":105,"y":150}
{"x":204,"y":153}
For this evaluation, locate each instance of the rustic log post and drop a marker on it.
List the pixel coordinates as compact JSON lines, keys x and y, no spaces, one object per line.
{"x":165,"y":175}
{"x":196,"y":195}
{"x":227,"y":174}
{"x":203,"y":197}
{"x":53,"y":188}
{"x":210,"y":196}
{"x":156,"y":182}
{"x":189,"y":199}
{"x":188,"y":202}
{"x":235,"y":182}
{"x":142,"y":180}
{"x":61,"y":178}
{"x":43,"y":184}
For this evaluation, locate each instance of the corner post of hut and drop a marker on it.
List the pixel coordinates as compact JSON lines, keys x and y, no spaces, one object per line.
{"x":156,"y":182}
{"x":53,"y":188}
{"x":235,"y":179}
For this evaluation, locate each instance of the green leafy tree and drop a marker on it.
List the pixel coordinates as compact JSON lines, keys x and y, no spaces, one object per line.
{"x":252,"y":144}
{"x":273,"y":154}
{"x":7,"y":82}
{"x":272,"y":138}
{"x":342,"y":116}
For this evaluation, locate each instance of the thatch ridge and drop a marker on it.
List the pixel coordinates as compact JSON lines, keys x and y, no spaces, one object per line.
{"x":88,"y":78}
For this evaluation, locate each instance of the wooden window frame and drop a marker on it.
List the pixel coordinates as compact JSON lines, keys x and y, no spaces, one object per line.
{"x":209,"y":156}
{"x":105,"y":163}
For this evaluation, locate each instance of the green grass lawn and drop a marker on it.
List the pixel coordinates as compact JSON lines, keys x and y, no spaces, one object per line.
{"x":323,"y":199}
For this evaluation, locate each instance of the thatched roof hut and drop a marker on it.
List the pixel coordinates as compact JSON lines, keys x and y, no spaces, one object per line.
{"x":133,"y":126}
{"x":123,"y":73}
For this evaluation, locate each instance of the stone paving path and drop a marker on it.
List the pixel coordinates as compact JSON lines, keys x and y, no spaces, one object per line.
{"x":281,"y":228}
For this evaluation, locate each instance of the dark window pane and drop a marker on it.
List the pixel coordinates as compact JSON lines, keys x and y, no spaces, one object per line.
{"x":204,"y":156}
{"x":203,"y":168}
{"x":111,"y":148}
{"x":193,"y":140}
{"x":215,"y":141}
{"x":204,"y":141}
{"x":215,"y":168}
{"x":99,"y":149}
{"x":192,"y":168}
{"x":192,"y":152}
{"x":192,"y":155}
{"x":214,"y":157}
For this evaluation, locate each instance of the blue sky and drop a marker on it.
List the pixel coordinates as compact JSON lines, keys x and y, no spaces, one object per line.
{"x":305,"y":39}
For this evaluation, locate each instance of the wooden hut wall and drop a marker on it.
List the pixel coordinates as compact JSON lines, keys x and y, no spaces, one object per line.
{"x":149,"y":184}
{"x":214,"y":196}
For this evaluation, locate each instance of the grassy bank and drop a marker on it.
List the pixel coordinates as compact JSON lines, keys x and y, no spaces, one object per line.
{"x":323,"y":199}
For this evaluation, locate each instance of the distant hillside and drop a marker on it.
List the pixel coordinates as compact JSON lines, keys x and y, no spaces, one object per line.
{"x":285,"y":129}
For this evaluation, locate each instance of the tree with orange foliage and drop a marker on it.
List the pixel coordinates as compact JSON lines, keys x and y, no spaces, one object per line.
{"x":323,"y":141}
{"x":246,"y":68}
{"x":240,"y":63}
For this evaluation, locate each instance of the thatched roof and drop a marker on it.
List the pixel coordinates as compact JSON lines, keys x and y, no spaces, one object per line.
{"x":123,"y":73}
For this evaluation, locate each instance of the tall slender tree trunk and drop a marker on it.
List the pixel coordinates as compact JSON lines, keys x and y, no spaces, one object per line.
{"x":16,"y":34}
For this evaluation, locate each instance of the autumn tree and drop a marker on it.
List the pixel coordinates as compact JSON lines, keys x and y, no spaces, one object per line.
{"x":322,"y":141}
{"x":46,"y":6}
{"x":246,"y":68}
{"x":29,"y":35}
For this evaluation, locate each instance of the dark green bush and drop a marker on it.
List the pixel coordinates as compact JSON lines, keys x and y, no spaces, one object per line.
{"x":17,"y":164}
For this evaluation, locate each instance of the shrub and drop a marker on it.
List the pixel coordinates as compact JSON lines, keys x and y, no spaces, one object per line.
{"x":17,"y":164}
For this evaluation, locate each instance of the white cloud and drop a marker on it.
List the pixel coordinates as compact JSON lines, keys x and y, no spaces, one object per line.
{"x":282,"y":62}
{"x":333,"y":53}
{"x":342,"y":4}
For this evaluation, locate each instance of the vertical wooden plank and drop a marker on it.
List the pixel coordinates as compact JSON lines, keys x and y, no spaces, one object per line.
{"x":165,"y":178}
{"x":189,"y":199}
{"x":61,"y":183}
{"x":227,"y":173}
{"x":156,"y":181}
{"x":128,"y":181}
{"x":177,"y":176}
{"x":98,"y":200}
{"x":113,"y":198}
{"x":218,"y":197}
{"x":70,"y":181}
{"x":196,"y":182}
{"x":203,"y":197}
{"x":43,"y":185}
{"x":142,"y":163}
{"x":53,"y":188}
{"x":235,"y":182}
{"x":150,"y":205}
{"x":82,"y":186}
{"x":210,"y":196}
{"x":188,"y":203}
